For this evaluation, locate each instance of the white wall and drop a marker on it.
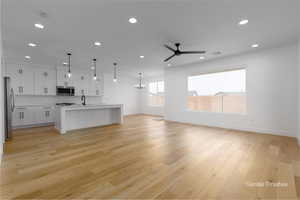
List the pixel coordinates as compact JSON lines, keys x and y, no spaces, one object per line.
{"x":271,"y":92}
{"x":1,"y":90}
{"x":299,"y":91}
{"x":121,"y":92}
{"x":144,"y":99}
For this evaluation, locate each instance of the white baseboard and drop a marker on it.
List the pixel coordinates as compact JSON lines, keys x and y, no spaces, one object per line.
{"x":152,"y":114}
{"x":247,"y":129}
{"x":267,"y":131}
{"x":33,"y":125}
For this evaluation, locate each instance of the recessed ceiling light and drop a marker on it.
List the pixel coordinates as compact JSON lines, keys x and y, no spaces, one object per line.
{"x":132,"y":20}
{"x":27,"y":57}
{"x":142,"y":56}
{"x":255,"y":45}
{"x":92,"y":67}
{"x":202,"y":57}
{"x":97,"y":43}
{"x":244,"y":22}
{"x":169,"y":65}
{"x":40,"y":26}
{"x":32,"y":44}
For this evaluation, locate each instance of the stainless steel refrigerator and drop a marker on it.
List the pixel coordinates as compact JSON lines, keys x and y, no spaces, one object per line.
{"x":9,"y":106}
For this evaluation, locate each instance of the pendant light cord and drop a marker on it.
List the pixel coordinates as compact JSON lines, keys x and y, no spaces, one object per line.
{"x":140,"y":79}
{"x":115,"y":71}
{"x":69,"y":62}
{"x":95,"y":67}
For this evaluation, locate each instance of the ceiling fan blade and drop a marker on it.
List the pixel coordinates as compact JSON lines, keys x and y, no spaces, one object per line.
{"x":169,"y":58}
{"x":170,"y":48}
{"x":192,"y":52}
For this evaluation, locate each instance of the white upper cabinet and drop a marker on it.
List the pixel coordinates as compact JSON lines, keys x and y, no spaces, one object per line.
{"x":45,"y":81}
{"x":63,"y":79}
{"x":22,"y":78}
{"x":96,"y":86}
{"x":81,"y":82}
{"x":29,"y":80}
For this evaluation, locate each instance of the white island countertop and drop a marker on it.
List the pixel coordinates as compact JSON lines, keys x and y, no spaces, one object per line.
{"x":86,"y":116}
{"x":90,"y":106}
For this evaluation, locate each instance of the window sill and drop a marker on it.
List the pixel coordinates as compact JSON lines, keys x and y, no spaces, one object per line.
{"x":223,"y":113}
{"x":155,"y":106}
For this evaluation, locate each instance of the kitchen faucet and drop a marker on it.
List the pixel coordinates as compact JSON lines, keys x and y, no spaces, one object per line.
{"x":83,"y":99}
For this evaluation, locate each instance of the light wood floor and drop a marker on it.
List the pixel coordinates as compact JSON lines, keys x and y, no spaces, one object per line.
{"x":149,"y":158}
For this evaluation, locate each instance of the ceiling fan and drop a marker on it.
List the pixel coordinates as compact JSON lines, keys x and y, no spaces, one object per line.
{"x":177,"y":52}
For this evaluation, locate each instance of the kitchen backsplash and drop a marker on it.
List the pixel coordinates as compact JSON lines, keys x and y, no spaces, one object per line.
{"x":51,"y":100}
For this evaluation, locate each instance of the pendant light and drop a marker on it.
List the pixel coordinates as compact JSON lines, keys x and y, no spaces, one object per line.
{"x":95,"y":69}
{"x":115,"y":73}
{"x":140,"y":85}
{"x":69,"y":65}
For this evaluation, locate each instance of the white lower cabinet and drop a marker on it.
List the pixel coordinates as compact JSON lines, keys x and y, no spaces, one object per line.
{"x":25,"y":116}
{"x":47,"y":115}
{"x":22,"y":116}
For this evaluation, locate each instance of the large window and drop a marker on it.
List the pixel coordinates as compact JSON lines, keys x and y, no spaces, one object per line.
{"x":218,"y":92}
{"x":156,"y":93}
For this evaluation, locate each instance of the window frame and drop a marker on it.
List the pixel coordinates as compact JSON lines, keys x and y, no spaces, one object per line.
{"x":148,"y":93}
{"x":213,"y":72}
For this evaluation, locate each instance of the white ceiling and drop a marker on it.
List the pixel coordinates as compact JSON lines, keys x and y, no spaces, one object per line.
{"x":209,"y":25}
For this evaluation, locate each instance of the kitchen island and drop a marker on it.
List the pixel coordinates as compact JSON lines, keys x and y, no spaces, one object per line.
{"x":86,"y":116}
